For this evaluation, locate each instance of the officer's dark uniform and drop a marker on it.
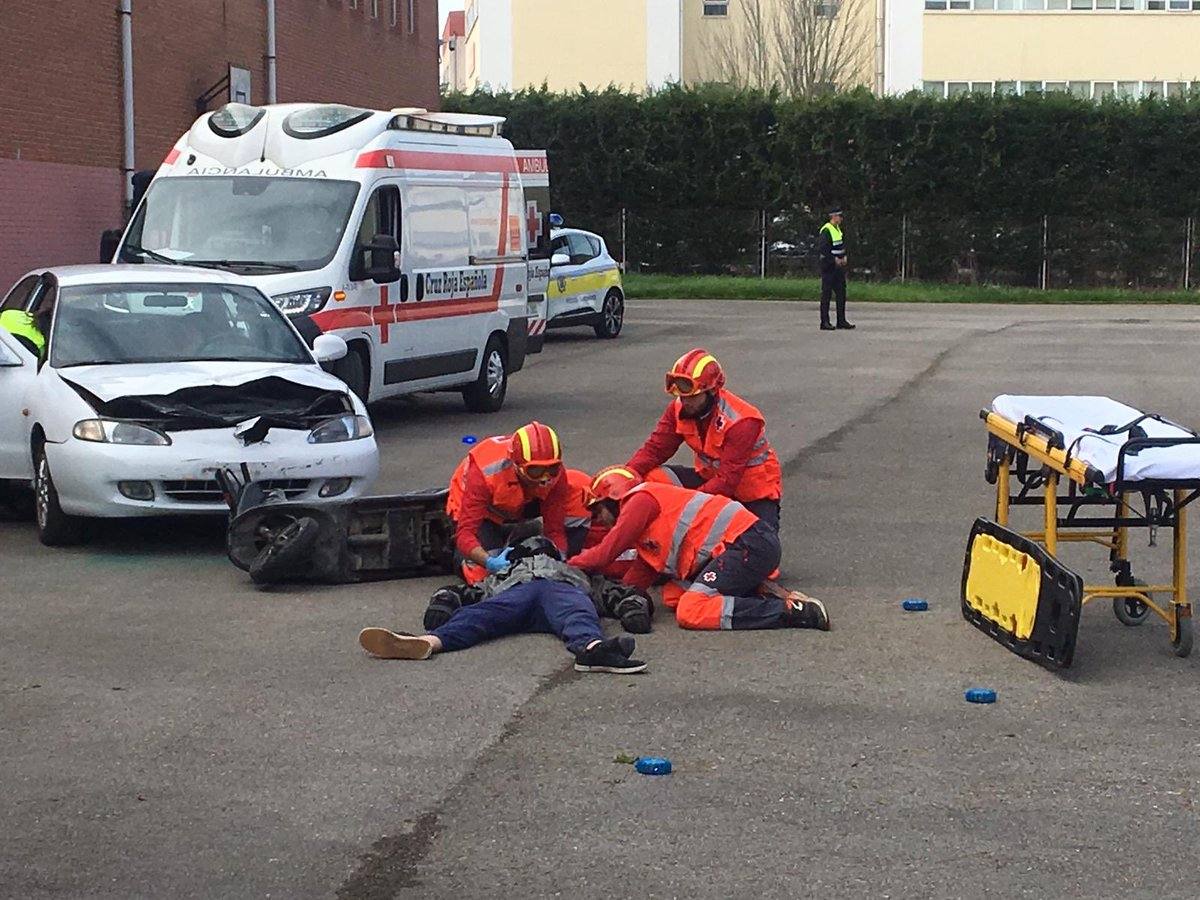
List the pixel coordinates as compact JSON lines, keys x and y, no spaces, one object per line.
{"x":831,"y":249}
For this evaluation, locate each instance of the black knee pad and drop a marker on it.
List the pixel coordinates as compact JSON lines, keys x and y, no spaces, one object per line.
{"x":444,"y":603}
{"x":635,"y":611}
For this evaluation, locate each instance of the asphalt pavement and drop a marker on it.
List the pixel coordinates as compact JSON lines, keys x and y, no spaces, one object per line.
{"x":166,"y":730}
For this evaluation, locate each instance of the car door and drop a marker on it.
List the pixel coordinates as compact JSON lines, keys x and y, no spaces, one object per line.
{"x":18,"y":370}
{"x":585,"y":251}
{"x":566,"y":280}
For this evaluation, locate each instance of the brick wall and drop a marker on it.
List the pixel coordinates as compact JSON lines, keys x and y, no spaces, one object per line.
{"x":60,"y":93}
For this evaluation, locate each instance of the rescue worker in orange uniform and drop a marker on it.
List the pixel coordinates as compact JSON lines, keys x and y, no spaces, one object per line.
{"x":727,"y":435}
{"x":716,"y":554}
{"x":502,"y":484}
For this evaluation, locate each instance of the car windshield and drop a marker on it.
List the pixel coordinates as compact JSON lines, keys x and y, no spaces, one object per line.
{"x":144,"y":323}
{"x":241,"y":222}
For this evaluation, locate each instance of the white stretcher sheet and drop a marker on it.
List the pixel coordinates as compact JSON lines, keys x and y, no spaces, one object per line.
{"x":1072,"y":415}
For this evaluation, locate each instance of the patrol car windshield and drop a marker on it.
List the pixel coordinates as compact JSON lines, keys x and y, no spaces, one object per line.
{"x":244,"y":223}
{"x":104,"y":324}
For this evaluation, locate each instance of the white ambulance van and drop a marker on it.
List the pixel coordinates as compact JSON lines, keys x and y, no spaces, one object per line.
{"x":407,"y":233}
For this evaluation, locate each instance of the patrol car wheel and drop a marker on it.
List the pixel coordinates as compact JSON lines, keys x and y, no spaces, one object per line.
{"x":486,"y":393}
{"x":55,"y":528}
{"x":612,"y":316}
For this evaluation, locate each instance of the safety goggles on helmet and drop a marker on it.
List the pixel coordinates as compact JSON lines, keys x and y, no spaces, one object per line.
{"x":612,"y":483}
{"x":541,"y":472}
{"x":683,"y":386}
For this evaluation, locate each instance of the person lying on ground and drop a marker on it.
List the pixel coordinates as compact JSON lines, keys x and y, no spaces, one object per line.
{"x":552,"y":602}
{"x":714,"y":553}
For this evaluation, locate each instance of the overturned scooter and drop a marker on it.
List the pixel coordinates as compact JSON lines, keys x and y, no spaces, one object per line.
{"x":365,"y":539}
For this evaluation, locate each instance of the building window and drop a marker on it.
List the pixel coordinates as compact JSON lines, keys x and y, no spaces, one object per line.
{"x":374,"y":9}
{"x":1006,"y":88}
{"x":934,"y":88}
{"x":1035,"y":4}
{"x":716,"y":8}
{"x":957,"y":88}
{"x":935,"y":4}
{"x":412,"y":16}
{"x":1103,"y":89}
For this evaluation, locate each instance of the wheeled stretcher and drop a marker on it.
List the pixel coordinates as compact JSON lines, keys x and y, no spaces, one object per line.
{"x":1099,"y":469}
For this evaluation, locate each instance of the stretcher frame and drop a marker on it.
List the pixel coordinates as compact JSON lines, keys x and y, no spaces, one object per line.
{"x":1012,"y":447}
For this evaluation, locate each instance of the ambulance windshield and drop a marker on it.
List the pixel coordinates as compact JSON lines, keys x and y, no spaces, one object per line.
{"x":245,"y":223}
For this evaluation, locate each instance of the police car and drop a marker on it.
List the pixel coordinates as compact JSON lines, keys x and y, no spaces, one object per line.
{"x":585,"y":283}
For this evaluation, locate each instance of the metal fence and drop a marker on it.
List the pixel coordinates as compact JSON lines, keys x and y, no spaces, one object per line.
{"x":1140,"y":251}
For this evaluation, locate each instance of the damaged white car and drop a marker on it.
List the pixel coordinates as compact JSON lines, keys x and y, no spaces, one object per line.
{"x":128,"y":388}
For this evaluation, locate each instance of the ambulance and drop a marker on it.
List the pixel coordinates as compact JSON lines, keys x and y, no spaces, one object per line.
{"x":410,"y":234}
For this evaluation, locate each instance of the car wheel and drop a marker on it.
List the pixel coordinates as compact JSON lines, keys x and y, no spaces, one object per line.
{"x":55,"y":528}
{"x":486,"y":393}
{"x":612,"y":316}
{"x":350,"y":369}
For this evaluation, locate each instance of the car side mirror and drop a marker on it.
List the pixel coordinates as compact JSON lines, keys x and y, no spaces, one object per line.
{"x":382,"y":268}
{"x":329,"y":348}
{"x":108,"y":244}
{"x":560,"y":259}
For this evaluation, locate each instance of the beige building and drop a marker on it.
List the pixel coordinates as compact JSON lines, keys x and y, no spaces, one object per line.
{"x":1091,"y":48}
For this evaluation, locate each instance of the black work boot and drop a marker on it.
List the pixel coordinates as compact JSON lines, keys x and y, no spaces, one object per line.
{"x":826,"y":326}
{"x":804,"y":612}
{"x":611,"y":656}
{"x":845,"y":326}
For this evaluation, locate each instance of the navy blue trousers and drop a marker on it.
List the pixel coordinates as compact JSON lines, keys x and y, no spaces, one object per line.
{"x":539,"y":607}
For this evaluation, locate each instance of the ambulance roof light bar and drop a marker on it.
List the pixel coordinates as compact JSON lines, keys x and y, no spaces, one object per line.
{"x":463,"y":124}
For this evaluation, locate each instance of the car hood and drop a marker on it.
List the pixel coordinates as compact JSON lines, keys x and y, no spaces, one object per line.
{"x":138,"y":379}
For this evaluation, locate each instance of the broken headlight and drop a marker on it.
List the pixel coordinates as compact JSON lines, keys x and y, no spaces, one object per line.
{"x":301,"y":303}
{"x":108,"y":431}
{"x":343,"y":428}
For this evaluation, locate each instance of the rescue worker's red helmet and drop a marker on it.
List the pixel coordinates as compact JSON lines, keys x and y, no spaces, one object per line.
{"x":536,"y":452}
{"x":696,"y":372}
{"x":612,"y":483}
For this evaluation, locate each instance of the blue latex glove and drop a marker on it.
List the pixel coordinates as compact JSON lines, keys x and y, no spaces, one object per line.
{"x":498,"y":562}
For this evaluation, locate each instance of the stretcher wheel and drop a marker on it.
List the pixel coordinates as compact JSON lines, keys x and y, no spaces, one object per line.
{"x":1130,"y":610}
{"x":1182,"y":645}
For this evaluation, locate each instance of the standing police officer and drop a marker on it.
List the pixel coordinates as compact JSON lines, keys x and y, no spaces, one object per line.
{"x":832,"y":258}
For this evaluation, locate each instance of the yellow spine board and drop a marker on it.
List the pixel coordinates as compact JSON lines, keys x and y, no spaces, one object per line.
{"x":1003,"y":584}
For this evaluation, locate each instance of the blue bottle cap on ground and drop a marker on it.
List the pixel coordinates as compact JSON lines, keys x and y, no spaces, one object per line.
{"x":980,"y":695}
{"x":652,"y":765}
{"x":913,"y":604}
{"x":470,"y":439}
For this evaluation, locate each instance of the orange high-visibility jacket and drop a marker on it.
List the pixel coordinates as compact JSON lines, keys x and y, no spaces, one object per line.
{"x":508,"y":496}
{"x":763,"y":478}
{"x":691,"y":528}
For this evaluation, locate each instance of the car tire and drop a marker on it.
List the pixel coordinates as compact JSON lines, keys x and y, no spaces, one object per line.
{"x":55,"y":528}
{"x":351,"y":369}
{"x":486,"y":393}
{"x":612,"y":316}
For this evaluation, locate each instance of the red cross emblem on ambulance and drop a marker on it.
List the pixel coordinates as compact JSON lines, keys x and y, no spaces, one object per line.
{"x":533,"y":223}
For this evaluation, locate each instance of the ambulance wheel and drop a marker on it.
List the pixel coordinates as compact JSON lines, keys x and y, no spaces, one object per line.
{"x":351,"y":369}
{"x":1182,"y":645}
{"x":1130,"y":610}
{"x":55,"y":528}
{"x":486,"y":393}
{"x":612,"y":316}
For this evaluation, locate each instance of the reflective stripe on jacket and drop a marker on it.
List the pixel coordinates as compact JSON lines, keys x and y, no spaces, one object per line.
{"x":763,"y":478}
{"x":692,"y":527}
{"x":508,"y":496}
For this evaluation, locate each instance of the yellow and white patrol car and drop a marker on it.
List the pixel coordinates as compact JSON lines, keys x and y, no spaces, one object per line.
{"x":585,"y":283}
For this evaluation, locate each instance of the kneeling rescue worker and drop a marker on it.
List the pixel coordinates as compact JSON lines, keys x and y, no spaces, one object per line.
{"x":727,"y":435}
{"x":716,"y":553}
{"x":502,"y":484}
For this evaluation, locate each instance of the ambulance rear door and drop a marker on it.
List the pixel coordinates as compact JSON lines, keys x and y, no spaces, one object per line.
{"x":535,"y":179}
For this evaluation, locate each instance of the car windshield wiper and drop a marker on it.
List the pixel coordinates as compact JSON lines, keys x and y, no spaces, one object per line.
{"x":243,"y":264}
{"x":150,"y":254}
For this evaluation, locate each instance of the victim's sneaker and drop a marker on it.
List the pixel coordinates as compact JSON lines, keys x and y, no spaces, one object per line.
{"x":610,"y":656}
{"x":803,"y":611}
{"x":384,"y":644}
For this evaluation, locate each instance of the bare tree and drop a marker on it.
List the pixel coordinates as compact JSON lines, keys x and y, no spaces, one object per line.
{"x":801,"y":47}
{"x":820,"y":45}
{"x":741,"y":51}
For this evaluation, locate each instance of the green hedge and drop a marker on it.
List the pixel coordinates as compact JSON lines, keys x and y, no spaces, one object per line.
{"x":973,"y":175}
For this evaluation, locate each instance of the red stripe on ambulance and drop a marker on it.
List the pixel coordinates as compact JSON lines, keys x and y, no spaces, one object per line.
{"x":437,"y":162}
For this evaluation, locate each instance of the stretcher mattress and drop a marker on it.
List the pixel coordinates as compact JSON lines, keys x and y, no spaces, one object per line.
{"x":1077,"y":418}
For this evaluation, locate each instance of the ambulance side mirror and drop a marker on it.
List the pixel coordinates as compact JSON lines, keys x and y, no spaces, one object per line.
{"x":382,"y":268}
{"x":560,"y":259}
